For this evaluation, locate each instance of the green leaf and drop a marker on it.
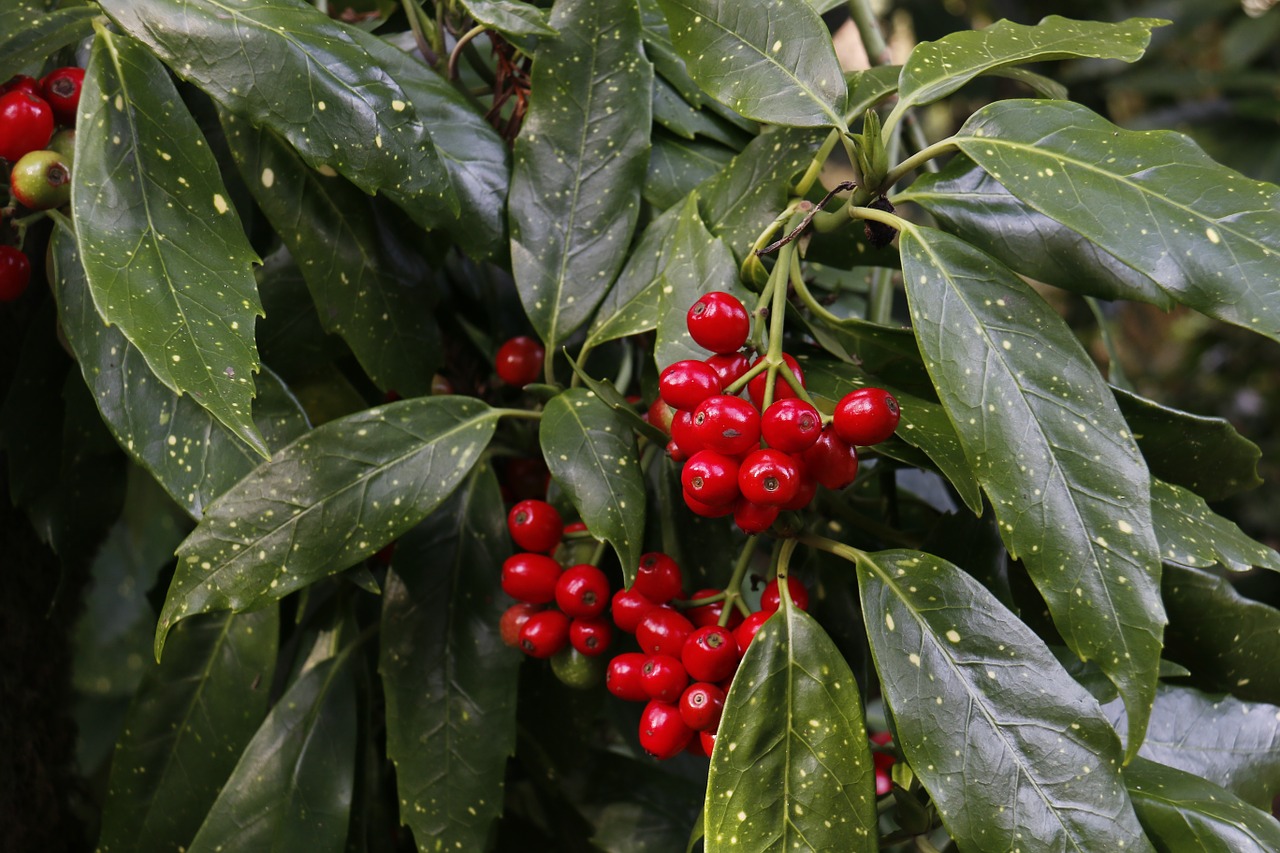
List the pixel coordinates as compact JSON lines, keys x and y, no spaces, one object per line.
{"x":450,"y":683}
{"x":1181,"y":812}
{"x":188,"y":723}
{"x":676,"y":166}
{"x":1218,"y":738}
{"x":328,"y":500}
{"x":509,"y":17}
{"x":605,"y":390}
{"x":677,"y":115}
{"x":1047,"y":443}
{"x":1193,"y":535}
{"x":165,"y":255}
{"x":369,"y":285}
{"x":1229,"y":642}
{"x":579,"y":163}
{"x":631,"y":305}
{"x":291,"y":789}
{"x":935,"y":69}
{"x":869,"y":87}
{"x":774,"y":63}
{"x":31,"y":34}
{"x":1008,"y":745}
{"x":192,"y":455}
{"x":1206,"y":235}
{"x":591,"y":452}
{"x":792,"y":766}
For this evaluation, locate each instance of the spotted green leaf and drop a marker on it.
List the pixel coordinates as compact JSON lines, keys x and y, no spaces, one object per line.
{"x":676,"y":166}
{"x":1046,"y":441}
{"x":510,"y":17}
{"x":591,"y":452}
{"x":580,"y":163}
{"x":188,"y":723}
{"x":631,"y":305}
{"x":792,"y":766}
{"x":1007,"y":744}
{"x":330,"y":499}
{"x":448,"y":679}
{"x":1181,"y":811}
{"x":1191,"y":534}
{"x":30,"y":34}
{"x":164,"y":252}
{"x":773,"y":62}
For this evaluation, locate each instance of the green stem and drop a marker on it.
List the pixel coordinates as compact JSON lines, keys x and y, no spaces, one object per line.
{"x":919,"y":159}
{"x":831,"y":546}
{"x":815,"y":165}
{"x":733,"y":592}
{"x":810,"y":302}
{"x":918,"y":139}
{"x":598,"y":552}
{"x":463,"y":41}
{"x":864,"y":18}
{"x":880,"y":306}
{"x":777,"y":324}
{"x":427,"y":45}
{"x":859,"y":212}
{"x":523,"y":414}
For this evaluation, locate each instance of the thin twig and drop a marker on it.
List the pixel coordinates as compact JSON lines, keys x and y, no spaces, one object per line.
{"x":843,"y":186}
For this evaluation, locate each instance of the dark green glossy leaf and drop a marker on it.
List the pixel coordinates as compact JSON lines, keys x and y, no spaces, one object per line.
{"x":165,"y":255}
{"x":328,"y":500}
{"x":631,"y":306}
{"x":192,"y":455}
{"x":1205,"y":234}
{"x":1218,"y":738}
{"x":676,"y":166}
{"x":1008,"y":745}
{"x":1048,"y":445}
{"x":290,"y":336}
{"x":370,"y":287}
{"x":1181,"y":813}
{"x":773,"y":63}
{"x":188,"y":723}
{"x":291,"y":790}
{"x":792,"y":767}
{"x":450,"y":683}
{"x":580,"y":161}
{"x":510,"y":17}
{"x":591,"y":452}
{"x":31,"y":34}
{"x":870,"y":87}
{"x":935,"y":69}
{"x":640,"y":806}
{"x":887,"y":352}
{"x":1206,"y":455}
{"x":605,"y":390}
{"x":1229,"y":642}
{"x":1193,"y":535}
{"x":677,"y":115}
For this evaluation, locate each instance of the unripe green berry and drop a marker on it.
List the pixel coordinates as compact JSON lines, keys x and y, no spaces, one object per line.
{"x":41,"y":180}
{"x":64,"y":144}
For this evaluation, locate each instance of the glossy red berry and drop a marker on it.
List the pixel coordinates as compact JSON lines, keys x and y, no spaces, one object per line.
{"x":729,"y":366}
{"x":781,"y":388}
{"x":663,"y":631}
{"x":519,"y":361}
{"x":687,"y":383}
{"x":658,"y":577}
{"x":15,"y":273}
{"x":719,"y":322}
{"x":660,"y":414}
{"x":808,"y":488}
{"x":707,"y":740}
{"x":753,"y":518}
{"x":575,"y":527}
{"x":701,"y":705}
{"x":771,"y":598}
{"x":513,"y":619}
{"x":664,"y":678}
{"x":866,"y":416}
{"x":706,"y":510}
{"x":709,"y":614}
{"x":628,"y":608}
{"x":685,"y":435}
{"x":591,"y":637}
{"x":582,"y":591}
{"x":61,"y":88}
{"x":544,"y":633}
{"x":711,"y":478}
{"x":710,"y":654}
{"x":622,"y":678}
{"x":831,"y":461}
{"x":21,"y":83}
{"x":535,"y":525}
{"x":728,"y":425}
{"x":769,"y":477}
{"x":530,"y":577}
{"x":791,"y":425}
{"x":662,"y":731}
{"x":746,"y":632}
{"x":26,"y":124}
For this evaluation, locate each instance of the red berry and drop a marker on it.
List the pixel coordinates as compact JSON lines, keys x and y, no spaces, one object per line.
{"x":513,"y":619}
{"x":591,"y":637}
{"x":21,"y":83}
{"x":707,"y":740}
{"x":831,"y":461}
{"x":15,"y":273}
{"x":623,"y":677}
{"x":808,"y":488}
{"x":519,"y":361}
{"x":707,"y":510}
{"x":728,"y":425}
{"x":710,"y":654}
{"x":711,"y":478}
{"x":628,"y":608}
{"x":709,"y":614}
{"x":530,"y":577}
{"x":746,"y":632}
{"x":884,"y":782}
{"x":660,"y":415}
{"x":781,"y":388}
{"x":575,"y":527}
{"x":729,"y":366}
{"x":753,"y":518}
{"x":544,"y":633}
{"x":718,"y":322}
{"x":684,"y":435}
{"x":674,"y":451}
{"x":769,"y":477}
{"x":866,"y":416}
{"x":664,"y":678}
{"x":658,"y":577}
{"x":26,"y":124}
{"x":662,"y":732}
{"x":701,"y":705}
{"x":771,"y":598}
{"x":687,"y":383}
{"x":791,"y":425}
{"x":663,"y":631}
{"x":61,"y":88}
{"x":582,"y":591}
{"x":535,"y":525}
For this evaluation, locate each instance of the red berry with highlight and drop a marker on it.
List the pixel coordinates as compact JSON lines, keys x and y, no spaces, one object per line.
{"x":21,"y":83}
{"x":684,"y":435}
{"x":582,"y":591}
{"x":26,"y":124}
{"x":664,"y":678}
{"x":15,"y":273}
{"x":687,"y":383}
{"x":535,"y":525}
{"x":628,"y":608}
{"x":709,"y":614}
{"x":663,"y":631}
{"x":753,"y":518}
{"x":781,"y":388}
{"x":831,"y":461}
{"x":519,"y":361}
{"x":729,"y":366}
{"x":866,"y":416}
{"x":791,"y":425}
{"x":746,"y":632}
{"x":591,"y":637}
{"x":771,"y":598}
{"x":710,"y":654}
{"x":711,"y":478}
{"x":530,"y":577}
{"x":658,"y":577}
{"x":660,"y":414}
{"x":61,"y":88}
{"x":707,"y":510}
{"x":719,"y":322}
{"x":769,"y":477}
{"x":701,"y":706}
{"x":513,"y":619}
{"x":623,"y":677}
{"x":728,"y":425}
{"x":544,"y":633}
{"x":707,"y":740}
{"x":663,"y":732}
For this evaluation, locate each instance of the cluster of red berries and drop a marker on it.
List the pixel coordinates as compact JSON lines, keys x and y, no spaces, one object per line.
{"x":745,"y":462}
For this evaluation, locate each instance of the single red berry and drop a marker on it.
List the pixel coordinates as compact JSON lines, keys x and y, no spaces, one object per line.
{"x":746,"y":632}
{"x":530,"y":577}
{"x":26,"y":124}
{"x":544,"y":633}
{"x":694,"y":746}
{"x":707,"y":740}
{"x":513,"y":619}
{"x":791,"y":425}
{"x":707,"y":510}
{"x":61,"y":88}
{"x":591,"y":637}
{"x":831,"y":461}
{"x":21,"y":83}
{"x":535,"y":525}
{"x":582,"y":591}
{"x":660,"y":414}
{"x":771,"y":598}
{"x":884,"y":782}
{"x":711,"y":478}
{"x":687,"y":383}
{"x":866,"y":416}
{"x":883,"y":759}
{"x":769,"y":477}
{"x":781,"y":388}
{"x":701,"y":705}
{"x":729,"y":366}
{"x":808,"y":488}
{"x":575,"y":527}
{"x":710,"y":654}
{"x":753,"y":518}
{"x":658,"y":577}
{"x":519,"y":361}
{"x":709,"y":614}
{"x":719,"y":322}
{"x":684,"y":435}
{"x":728,"y":425}
{"x":662,"y":732}
{"x":623,"y":677}
{"x":15,"y":273}
{"x":628,"y":608}
{"x":674,"y":451}
{"x":664,"y":678}
{"x":663,"y":631}
{"x":40,"y":180}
